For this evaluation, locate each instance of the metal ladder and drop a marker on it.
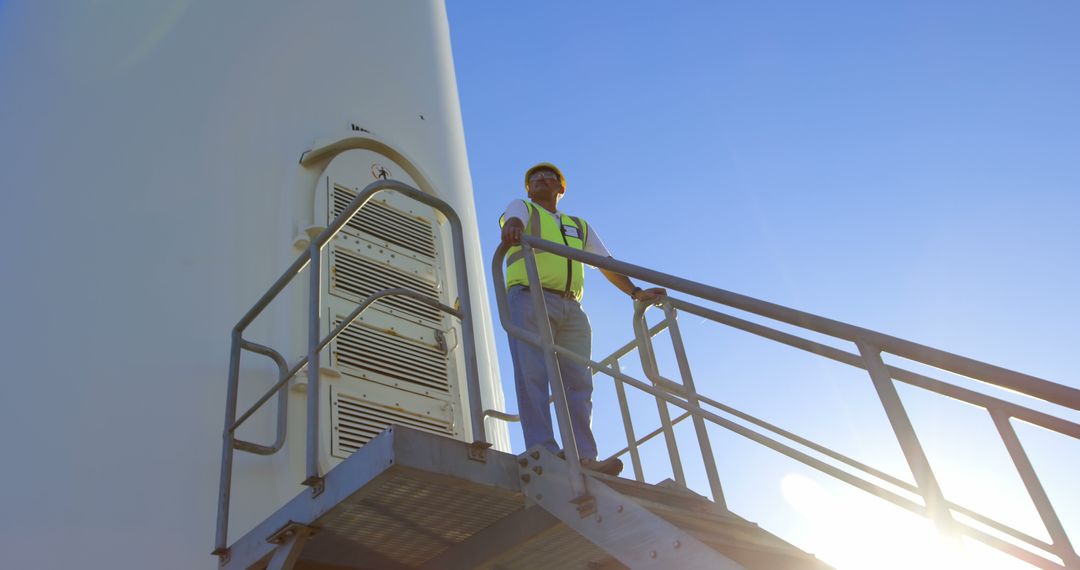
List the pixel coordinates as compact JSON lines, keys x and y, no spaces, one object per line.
{"x":925,"y":497}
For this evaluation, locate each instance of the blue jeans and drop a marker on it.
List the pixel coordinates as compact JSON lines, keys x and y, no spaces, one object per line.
{"x":570,"y":328}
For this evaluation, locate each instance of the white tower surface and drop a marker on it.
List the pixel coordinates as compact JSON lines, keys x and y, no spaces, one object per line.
{"x":152,"y":191}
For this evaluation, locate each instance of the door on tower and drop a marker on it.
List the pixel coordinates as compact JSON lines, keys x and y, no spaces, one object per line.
{"x":400,"y":362}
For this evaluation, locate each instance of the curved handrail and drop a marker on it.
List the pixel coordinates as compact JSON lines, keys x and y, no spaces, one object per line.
{"x":282,"y":407}
{"x":287,"y":374}
{"x":312,"y":256}
{"x":339,"y":222}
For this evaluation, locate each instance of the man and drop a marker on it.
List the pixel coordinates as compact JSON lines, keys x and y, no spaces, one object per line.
{"x":562,"y":280}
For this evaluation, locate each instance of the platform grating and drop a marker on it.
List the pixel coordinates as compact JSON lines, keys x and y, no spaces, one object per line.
{"x":407,"y":518}
{"x":563,"y":548}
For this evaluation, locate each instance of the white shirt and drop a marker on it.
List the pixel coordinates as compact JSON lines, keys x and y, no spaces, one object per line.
{"x":593,"y":244}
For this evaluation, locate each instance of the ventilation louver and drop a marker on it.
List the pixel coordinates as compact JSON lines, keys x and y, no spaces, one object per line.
{"x":357,"y":421}
{"x":360,"y":276}
{"x":393,"y":359}
{"x":410,"y":232}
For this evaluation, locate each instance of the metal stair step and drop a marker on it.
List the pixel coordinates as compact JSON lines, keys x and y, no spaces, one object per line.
{"x":666,"y":492}
{"x":731,"y":535}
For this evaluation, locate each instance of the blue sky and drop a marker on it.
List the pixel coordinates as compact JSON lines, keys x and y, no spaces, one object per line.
{"x":913,"y":168}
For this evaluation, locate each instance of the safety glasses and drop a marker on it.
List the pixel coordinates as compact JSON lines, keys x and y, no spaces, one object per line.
{"x":543,"y":175}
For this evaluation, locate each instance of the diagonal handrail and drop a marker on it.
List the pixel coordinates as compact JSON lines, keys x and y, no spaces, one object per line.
{"x":870,"y":345}
{"x":614,"y":356}
{"x":988,"y":373}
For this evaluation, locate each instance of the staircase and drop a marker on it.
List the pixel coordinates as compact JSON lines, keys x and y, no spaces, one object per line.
{"x":923,"y":496}
{"x":736,"y":538}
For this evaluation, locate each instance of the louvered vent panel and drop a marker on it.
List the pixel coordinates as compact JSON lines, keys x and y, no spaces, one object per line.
{"x":369,"y":350}
{"x":358,"y":422}
{"x":361,"y":276}
{"x":388,"y":224}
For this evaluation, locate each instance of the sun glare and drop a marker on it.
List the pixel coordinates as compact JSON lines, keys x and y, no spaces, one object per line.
{"x":856,"y":531}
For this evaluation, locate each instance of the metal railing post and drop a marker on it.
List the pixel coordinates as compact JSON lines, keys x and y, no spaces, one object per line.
{"x":221,"y":543}
{"x":562,"y":409}
{"x":1060,"y":539}
{"x":468,"y":334}
{"x":628,"y":426}
{"x":652,"y":370}
{"x":917,"y":461}
{"x":313,"y":478}
{"x":707,"y":456}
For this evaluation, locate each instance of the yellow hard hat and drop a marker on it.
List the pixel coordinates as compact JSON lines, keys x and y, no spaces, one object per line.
{"x":545,"y":166}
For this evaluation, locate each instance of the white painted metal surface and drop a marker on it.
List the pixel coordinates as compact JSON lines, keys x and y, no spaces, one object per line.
{"x":152,"y":190}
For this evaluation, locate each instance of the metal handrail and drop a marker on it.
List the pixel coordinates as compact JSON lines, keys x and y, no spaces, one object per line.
{"x":988,"y":373}
{"x":287,"y":374}
{"x":870,"y":345}
{"x":282,"y":409}
{"x":619,"y":353}
{"x":645,"y":438}
{"x":1037,"y":418}
{"x":632,"y":443}
{"x":866,"y":469}
{"x":311,"y":257}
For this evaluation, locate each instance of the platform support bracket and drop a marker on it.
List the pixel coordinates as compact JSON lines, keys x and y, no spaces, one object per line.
{"x":290,"y":540}
{"x":478,"y":451}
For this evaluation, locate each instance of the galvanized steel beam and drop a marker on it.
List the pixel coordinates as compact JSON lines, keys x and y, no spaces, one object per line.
{"x":624,"y":529}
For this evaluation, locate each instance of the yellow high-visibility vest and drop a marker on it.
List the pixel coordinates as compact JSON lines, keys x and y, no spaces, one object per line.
{"x":557,"y":273}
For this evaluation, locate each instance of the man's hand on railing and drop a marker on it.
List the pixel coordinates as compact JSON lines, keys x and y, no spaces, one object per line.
{"x":651,"y":296}
{"x":511,"y":231}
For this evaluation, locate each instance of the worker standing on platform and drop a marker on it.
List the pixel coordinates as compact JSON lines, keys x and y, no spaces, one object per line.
{"x":562,"y":280}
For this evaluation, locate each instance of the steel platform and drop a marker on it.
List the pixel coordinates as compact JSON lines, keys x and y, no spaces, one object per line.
{"x":409,"y":499}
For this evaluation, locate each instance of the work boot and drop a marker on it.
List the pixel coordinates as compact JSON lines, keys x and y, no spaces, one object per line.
{"x":612,"y":466}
